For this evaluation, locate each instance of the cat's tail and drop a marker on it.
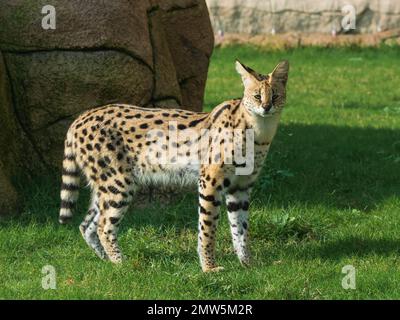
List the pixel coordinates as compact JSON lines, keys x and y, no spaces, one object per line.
{"x":70,"y":181}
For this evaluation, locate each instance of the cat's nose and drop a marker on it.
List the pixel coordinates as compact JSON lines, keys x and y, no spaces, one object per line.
{"x":267,"y":106}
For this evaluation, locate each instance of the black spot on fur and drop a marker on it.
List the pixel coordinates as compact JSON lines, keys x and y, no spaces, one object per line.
{"x":66,"y":204}
{"x":110,"y":147}
{"x":113,"y":189}
{"x":196,"y":122}
{"x":207,"y":222}
{"x":114,"y":220}
{"x":218,"y":113}
{"x":65,"y":172}
{"x":102,"y":163}
{"x":69,"y":187}
{"x":233,"y":206}
{"x":204,"y":211}
{"x":118,"y":205}
{"x":119,"y":183}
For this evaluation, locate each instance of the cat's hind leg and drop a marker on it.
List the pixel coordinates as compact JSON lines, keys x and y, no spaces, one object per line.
{"x":113,"y":204}
{"x":89,"y":228}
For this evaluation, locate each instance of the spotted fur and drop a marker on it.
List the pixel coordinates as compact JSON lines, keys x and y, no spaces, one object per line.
{"x":111,"y":146}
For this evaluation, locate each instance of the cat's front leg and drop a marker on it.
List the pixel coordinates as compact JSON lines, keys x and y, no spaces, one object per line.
{"x":209,"y":204}
{"x":237,"y":204}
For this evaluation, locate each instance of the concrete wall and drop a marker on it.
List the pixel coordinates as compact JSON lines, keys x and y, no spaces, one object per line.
{"x":309,"y":16}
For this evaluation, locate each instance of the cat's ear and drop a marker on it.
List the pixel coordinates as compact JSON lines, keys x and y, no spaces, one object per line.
{"x":246,"y":73}
{"x":281,"y":72}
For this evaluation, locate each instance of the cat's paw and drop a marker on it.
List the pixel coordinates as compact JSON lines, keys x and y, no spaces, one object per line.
{"x":245,"y":262}
{"x":213,"y":269}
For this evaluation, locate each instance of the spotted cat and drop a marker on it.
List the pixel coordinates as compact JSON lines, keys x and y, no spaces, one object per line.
{"x":120,"y":148}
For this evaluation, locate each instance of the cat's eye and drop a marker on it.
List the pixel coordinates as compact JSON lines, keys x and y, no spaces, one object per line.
{"x":257,"y":96}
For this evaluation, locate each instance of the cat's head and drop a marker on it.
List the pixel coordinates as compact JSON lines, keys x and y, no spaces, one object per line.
{"x":264,"y":95}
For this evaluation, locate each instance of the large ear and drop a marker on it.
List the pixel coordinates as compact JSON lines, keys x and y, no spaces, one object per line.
{"x":245,"y":72}
{"x":281,"y":72}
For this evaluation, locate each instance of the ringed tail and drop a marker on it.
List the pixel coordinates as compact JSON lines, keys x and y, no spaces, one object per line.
{"x":70,"y":182}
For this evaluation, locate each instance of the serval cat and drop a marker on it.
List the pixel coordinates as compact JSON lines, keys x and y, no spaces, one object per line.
{"x":120,"y":147}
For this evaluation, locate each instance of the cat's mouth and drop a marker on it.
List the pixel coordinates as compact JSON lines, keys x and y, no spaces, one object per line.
{"x":264,"y":113}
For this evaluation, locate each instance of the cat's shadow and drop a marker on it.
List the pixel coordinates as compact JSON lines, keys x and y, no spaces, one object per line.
{"x":333,"y":166}
{"x":357,"y":247}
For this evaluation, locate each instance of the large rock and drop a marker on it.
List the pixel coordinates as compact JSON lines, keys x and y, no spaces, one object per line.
{"x":8,"y":128}
{"x":149,"y":52}
{"x":261,"y":17}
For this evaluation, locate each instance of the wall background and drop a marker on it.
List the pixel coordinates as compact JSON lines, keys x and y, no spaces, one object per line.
{"x":307,"y":16}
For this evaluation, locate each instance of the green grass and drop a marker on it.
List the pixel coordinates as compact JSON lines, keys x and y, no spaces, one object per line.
{"x":329,"y":196}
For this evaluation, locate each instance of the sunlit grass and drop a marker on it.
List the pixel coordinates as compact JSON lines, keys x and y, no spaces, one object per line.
{"x":329,"y":196}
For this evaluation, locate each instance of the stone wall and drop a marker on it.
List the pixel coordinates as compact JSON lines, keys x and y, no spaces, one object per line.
{"x":148,"y":52}
{"x":308,"y":16}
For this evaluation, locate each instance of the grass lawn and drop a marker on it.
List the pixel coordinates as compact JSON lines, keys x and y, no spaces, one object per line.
{"x":329,"y":196}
